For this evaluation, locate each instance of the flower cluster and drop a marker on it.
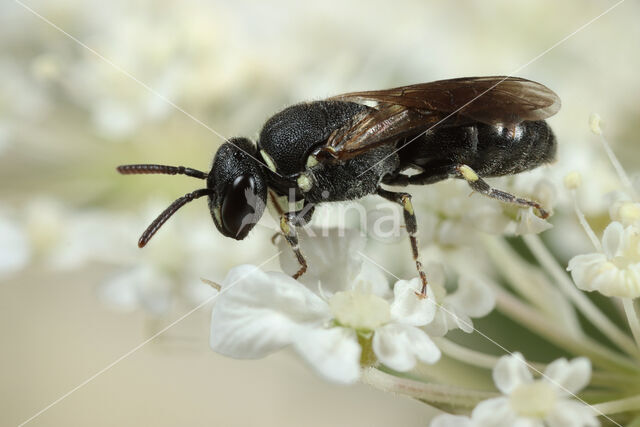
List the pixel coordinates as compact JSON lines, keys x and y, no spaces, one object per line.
{"x":342,"y":315}
{"x":615,"y":269}
{"x":549,"y":401}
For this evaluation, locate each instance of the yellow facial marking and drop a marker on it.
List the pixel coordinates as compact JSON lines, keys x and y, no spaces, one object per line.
{"x":216,"y":214}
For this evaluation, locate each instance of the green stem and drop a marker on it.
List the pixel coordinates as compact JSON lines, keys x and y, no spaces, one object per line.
{"x":617,"y":406}
{"x":632,"y":318}
{"x":464,"y":354}
{"x":585,"y":225}
{"x":488,"y":361}
{"x":532,"y":284}
{"x":584,"y":304}
{"x":438,"y":394}
{"x":622,"y":174}
{"x":527,"y":316}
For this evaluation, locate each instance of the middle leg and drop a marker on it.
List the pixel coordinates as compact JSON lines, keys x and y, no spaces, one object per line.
{"x":404,"y":199}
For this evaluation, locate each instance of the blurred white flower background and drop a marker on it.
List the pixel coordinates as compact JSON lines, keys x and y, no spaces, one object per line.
{"x":99,"y":332}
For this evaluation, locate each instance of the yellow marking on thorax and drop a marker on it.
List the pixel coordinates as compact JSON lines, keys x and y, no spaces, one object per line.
{"x":268,"y":160}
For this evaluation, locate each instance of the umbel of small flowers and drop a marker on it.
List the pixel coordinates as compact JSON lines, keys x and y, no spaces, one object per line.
{"x":342,"y":315}
{"x":614,"y":269}
{"x":549,"y":401}
{"x":349,"y":324}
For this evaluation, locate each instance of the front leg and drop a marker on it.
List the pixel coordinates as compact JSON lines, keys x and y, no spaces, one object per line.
{"x":478,"y":184}
{"x":288,"y":223}
{"x":404,"y":199}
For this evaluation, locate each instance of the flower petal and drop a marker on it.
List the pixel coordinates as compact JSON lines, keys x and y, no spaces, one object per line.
{"x":448,"y":420}
{"x":397,"y":346}
{"x":409,"y":308}
{"x":585,"y":269}
{"x":439,"y":326}
{"x":528,"y":422}
{"x":371,"y":280}
{"x":569,"y":377}
{"x":569,"y":413}
{"x":612,"y":239}
{"x":257,"y":312}
{"x":473,"y":297}
{"x":457,"y":318}
{"x":334,"y":353}
{"x":530,"y":223}
{"x":494,"y":412}
{"x":332,"y":256}
{"x":435,"y":273}
{"x":510,"y":372}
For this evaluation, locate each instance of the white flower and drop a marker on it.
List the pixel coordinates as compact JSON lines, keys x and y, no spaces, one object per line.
{"x":530,"y":223}
{"x":616,"y":270}
{"x":532,"y":403}
{"x":258,"y":313}
{"x":472,"y":298}
{"x":457,"y":217}
{"x":448,"y":420}
{"x":333,"y":256}
{"x":626,"y":212}
{"x":355,"y":320}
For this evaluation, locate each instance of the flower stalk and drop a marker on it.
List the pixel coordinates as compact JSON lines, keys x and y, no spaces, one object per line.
{"x":435,"y":394}
{"x":584,"y":304}
{"x":618,"y":406}
{"x":529,"y":317}
{"x":632,"y":317}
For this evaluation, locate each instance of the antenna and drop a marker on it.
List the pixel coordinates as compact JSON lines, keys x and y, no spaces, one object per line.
{"x":160,"y":169}
{"x":166,"y":214}
{"x":173,"y":207}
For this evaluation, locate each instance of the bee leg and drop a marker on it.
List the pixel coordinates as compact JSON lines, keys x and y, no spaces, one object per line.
{"x":288,"y":223}
{"x":481,"y":186}
{"x":273,"y":198}
{"x":276,"y":238}
{"x":404,"y":200}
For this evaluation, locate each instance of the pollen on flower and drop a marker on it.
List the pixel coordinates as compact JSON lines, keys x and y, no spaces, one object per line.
{"x":573,"y":180}
{"x":595,"y":123}
{"x":533,"y":400}
{"x":626,"y":212}
{"x":360,"y":311}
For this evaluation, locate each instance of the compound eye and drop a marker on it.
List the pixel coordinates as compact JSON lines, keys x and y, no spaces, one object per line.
{"x":239,"y":206}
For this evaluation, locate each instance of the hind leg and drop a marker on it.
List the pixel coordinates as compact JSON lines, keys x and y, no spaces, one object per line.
{"x":478,"y":184}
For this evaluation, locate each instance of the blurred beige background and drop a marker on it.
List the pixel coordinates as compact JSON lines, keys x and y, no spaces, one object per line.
{"x":75,"y":292}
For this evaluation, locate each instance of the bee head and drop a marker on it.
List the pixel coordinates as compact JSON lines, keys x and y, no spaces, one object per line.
{"x":236,"y":186}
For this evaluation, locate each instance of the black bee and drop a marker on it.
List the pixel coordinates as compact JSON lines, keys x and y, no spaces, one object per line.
{"x":347,"y":146}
